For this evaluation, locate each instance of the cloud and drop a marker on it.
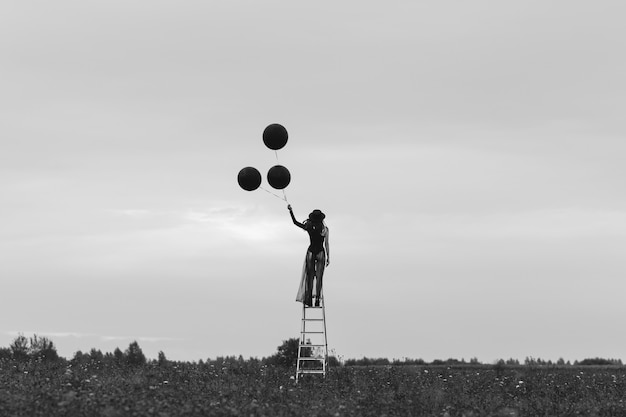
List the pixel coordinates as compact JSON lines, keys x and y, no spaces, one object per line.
{"x":77,"y":335}
{"x":80,"y":335}
{"x":240,"y":223}
{"x":134,"y":213}
{"x":217,"y":214}
{"x":147,"y":339}
{"x":534,"y":224}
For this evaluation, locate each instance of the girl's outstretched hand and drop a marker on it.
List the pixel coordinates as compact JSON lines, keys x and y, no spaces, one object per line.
{"x":289,"y":207}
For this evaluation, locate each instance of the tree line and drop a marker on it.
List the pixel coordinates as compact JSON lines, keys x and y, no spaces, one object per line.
{"x":42,"y":349}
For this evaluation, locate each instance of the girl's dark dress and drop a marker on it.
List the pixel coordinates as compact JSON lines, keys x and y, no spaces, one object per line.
{"x":315,"y":259}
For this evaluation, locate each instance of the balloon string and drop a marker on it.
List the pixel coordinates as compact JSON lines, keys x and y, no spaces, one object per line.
{"x":275,"y":195}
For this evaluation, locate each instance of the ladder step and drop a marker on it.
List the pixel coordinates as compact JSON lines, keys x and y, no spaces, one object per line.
{"x":304,"y":319}
{"x":311,"y":371}
{"x":310,"y":359}
{"x":306,"y":346}
{"x":308,"y":332}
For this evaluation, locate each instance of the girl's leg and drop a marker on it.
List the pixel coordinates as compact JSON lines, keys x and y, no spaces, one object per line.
{"x":310,"y":273}
{"x":320,"y":264}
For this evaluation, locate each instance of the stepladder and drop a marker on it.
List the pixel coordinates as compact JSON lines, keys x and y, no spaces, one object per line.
{"x":313,"y":342}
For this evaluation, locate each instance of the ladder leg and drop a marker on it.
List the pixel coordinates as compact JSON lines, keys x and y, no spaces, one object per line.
{"x":325,"y":363}
{"x":301,"y":341}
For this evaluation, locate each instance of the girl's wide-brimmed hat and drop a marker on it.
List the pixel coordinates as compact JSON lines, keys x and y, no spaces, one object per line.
{"x":317,"y":216}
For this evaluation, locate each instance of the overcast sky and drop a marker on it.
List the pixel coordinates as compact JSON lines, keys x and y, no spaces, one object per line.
{"x":469,"y":156}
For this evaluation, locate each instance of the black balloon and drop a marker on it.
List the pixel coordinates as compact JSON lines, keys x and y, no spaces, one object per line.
{"x":249,"y":178}
{"x":275,"y":136}
{"x":279,"y":177}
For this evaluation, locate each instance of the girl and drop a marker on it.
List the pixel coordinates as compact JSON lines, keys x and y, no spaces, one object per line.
{"x":316,"y":259}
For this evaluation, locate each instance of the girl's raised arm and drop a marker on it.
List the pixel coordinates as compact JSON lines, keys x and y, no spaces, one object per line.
{"x":293,"y":218}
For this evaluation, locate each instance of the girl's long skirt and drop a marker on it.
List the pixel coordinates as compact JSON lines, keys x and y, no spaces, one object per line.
{"x":300,"y":297}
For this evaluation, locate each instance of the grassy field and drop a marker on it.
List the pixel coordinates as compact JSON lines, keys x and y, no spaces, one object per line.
{"x":230,"y":387}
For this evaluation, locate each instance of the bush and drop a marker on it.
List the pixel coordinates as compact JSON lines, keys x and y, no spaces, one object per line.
{"x":333,"y":361}
{"x":5,"y":354}
{"x":287,"y":354}
{"x":118,"y":356}
{"x":367,"y":361}
{"x":600,"y":361}
{"x":42,"y":349}
{"x":162,"y":360}
{"x":36,"y":348}
{"x":19,"y":348}
{"x":134,"y":356}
